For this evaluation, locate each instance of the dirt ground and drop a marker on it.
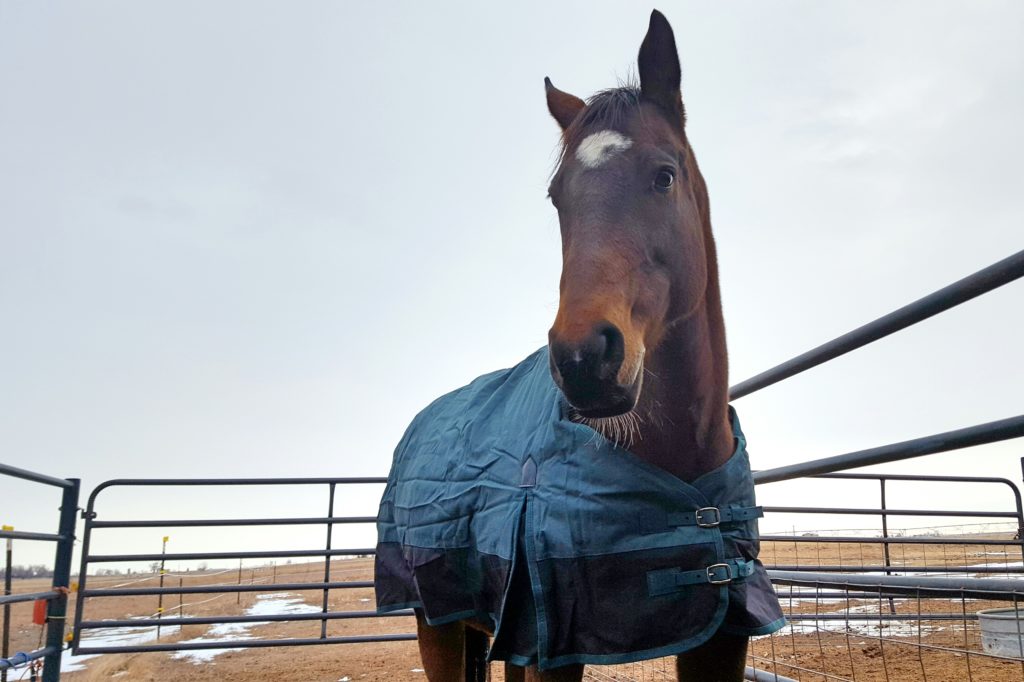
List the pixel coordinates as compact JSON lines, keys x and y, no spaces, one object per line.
{"x":939,"y":651}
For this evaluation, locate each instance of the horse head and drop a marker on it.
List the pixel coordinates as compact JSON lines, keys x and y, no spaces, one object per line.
{"x":632,"y":209}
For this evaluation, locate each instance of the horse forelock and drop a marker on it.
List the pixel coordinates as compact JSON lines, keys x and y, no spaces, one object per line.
{"x":610,"y":109}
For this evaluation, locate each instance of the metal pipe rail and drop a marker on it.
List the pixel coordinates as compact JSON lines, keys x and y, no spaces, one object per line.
{"x":23,"y":535}
{"x":26,"y":475}
{"x":1005,"y":589}
{"x":890,"y":512}
{"x":197,"y":523}
{"x":803,"y":592}
{"x":226,"y":620}
{"x":221,"y":589}
{"x":981,"y":434}
{"x":46,"y":653}
{"x":895,"y":568}
{"x":56,"y":598}
{"x":26,"y":596}
{"x":878,"y":617}
{"x":751,"y":674}
{"x":854,"y":539}
{"x":242,"y":644}
{"x":983,"y":281}
{"x":193,"y":556}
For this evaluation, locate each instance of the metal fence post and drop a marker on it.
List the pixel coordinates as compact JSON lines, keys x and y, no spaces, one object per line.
{"x":58,"y":606}
{"x":7,"y":607}
{"x":885,"y":545}
{"x":327,"y":559}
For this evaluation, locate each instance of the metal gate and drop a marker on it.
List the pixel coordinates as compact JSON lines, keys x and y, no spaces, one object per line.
{"x":199,"y":582}
{"x":56,"y":597}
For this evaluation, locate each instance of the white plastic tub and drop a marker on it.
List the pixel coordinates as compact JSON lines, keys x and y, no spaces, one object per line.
{"x":1002,"y":631}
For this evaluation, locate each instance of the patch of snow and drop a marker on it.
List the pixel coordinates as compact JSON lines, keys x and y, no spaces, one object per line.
{"x":274,"y":604}
{"x":277,"y":603}
{"x":111,"y":637}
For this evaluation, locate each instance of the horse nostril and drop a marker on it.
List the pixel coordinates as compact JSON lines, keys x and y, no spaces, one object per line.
{"x":591,"y":364}
{"x":568,"y":361}
{"x":614,"y":347}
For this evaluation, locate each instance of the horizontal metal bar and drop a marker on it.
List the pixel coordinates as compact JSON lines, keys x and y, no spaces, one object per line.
{"x":285,"y":553}
{"x":888,"y":512}
{"x":1008,"y":589}
{"x":356,"y":480}
{"x":241,"y":644}
{"x":25,"y":596}
{"x":757,"y":675}
{"x":224,"y":620}
{"x":25,"y":474}
{"x":991,"y":432}
{"x":28,"y":535}
{"x":876,"y":617}
{"x":185,"y":523}
{"x":845,"y":595}
{"x":918,"y":477}
{"x":897,"y":569}
{"x":31,"y":656}
{"x":217,"y":589}
{"x":985,"y":280}
{"x":916,"y":540}
{"x":360,"y":480}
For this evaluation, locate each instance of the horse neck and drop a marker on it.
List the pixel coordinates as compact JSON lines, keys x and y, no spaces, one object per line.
{"x":684,"y":401}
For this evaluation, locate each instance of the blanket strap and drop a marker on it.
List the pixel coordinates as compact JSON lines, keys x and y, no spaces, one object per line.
{"x":710,"y":517}
{"x":669,"y":580}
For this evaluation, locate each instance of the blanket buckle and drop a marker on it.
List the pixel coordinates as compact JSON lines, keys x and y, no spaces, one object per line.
{"x":708,"y":517}
{"x":715,"y":571}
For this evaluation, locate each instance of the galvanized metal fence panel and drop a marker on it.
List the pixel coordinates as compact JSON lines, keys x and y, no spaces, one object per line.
{"x":57,"y":596}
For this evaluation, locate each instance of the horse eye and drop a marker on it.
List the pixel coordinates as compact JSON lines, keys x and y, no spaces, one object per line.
{"x":664,"y":179}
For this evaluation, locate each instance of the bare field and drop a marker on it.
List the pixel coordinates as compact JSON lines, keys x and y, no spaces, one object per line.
{"x":868,"y":652}
{"x":372,"y":662}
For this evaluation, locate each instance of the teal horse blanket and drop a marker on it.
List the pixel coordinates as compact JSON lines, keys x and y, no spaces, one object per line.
{"x":500,"y":509}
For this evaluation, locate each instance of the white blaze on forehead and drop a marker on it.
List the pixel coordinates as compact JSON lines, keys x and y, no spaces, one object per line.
{"x":597,"y":148}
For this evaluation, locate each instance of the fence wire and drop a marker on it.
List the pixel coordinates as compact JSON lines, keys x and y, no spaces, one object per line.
{"x":876,"y":632}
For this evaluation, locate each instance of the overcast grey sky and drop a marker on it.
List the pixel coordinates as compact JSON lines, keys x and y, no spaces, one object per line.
{"x":254,"y":239}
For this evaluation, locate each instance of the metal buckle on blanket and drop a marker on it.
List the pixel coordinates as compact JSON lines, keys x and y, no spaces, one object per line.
{"x":724,"y":568}
{"x":708,"y":517}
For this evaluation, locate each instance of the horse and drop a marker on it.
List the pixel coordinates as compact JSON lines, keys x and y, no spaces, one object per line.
{"x":636,"y":358}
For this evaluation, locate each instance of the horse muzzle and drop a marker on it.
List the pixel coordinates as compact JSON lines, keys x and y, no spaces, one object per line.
{"x":588,"y":372}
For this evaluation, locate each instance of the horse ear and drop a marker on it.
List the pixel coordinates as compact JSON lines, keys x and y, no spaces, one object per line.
{"x":659,"y":67}
{"x":562,"y":105}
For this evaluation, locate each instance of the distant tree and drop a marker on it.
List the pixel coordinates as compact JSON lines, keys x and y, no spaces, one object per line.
{"x":35,"y":571}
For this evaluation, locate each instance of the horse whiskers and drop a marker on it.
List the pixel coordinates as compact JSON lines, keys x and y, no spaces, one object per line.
{"x":622,"y":429}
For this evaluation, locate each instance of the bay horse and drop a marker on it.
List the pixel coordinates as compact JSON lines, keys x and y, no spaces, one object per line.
{"x":636,"y":357}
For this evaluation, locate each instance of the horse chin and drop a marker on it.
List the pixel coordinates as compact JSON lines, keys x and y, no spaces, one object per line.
{"x":619,"y":401}
{"x":622,"y":427}
{"x":606,"y":411}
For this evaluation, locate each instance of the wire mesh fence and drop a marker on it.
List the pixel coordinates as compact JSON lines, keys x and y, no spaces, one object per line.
{"x":913,"y":618}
